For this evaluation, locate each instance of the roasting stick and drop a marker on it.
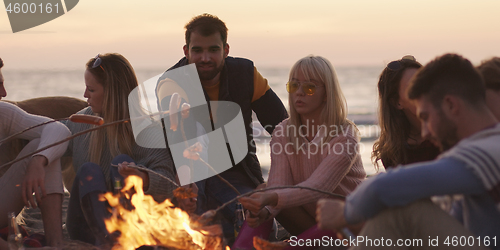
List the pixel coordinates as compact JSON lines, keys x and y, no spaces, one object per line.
{"x":95,"y":120}
{"x":62,"y":141}
{"x":207,"y":216}
{"x":98,"y":121}
{"x":89,"y":119}
{"x":141,"y":167}
{"x":211,"y":213}
{"x":175,"y":106}
{"x":29,"y":128}
{"x":278,"y":187}
{"x":221,"y":178}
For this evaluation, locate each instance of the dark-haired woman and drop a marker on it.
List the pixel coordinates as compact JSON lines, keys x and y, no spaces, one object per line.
{"x":400,"y":141}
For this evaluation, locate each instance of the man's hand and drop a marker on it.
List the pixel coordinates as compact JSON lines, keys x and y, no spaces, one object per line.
{"x":330,"y":214}
{"x":34,"y":181}
{"x":125,"y":171}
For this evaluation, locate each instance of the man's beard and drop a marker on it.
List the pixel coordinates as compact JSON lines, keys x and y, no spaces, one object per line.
{"x":448,"y":134}
{"x":209,"y":75}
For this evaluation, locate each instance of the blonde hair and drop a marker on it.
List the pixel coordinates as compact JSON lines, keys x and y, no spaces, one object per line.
{"x":334,"y":113}
{"x":118,"y":79}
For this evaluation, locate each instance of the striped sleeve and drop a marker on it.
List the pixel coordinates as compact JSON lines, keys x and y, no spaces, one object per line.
{"x":481,"y":162}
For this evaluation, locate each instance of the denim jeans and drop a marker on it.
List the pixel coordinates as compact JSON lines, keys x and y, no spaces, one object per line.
{"x":89,"y":179}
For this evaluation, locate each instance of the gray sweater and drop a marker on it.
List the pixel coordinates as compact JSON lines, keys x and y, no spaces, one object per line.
{"x":158,"y":160}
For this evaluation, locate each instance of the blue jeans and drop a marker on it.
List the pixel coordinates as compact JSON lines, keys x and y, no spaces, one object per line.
{"x":213,"y":193}
{"x":88,"y":181}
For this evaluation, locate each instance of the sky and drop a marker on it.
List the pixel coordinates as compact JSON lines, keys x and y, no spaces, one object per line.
{"x":150,"y":33}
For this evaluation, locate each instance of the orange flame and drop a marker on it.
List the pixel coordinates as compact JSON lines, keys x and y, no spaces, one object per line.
{"x":152,"y":223}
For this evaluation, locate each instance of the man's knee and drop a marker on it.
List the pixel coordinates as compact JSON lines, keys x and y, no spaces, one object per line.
{"x":399,"y":219}
{"x":90,"y":175}
{"x":88,"y":169}
{"x":121,"y":158}
{"x":412,"y":210}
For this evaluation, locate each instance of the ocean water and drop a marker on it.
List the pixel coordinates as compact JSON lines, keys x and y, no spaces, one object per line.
{"x":358,"y":85}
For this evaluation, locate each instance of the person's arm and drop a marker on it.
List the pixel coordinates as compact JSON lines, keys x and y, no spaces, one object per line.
{"x":404,"y":185}
{"x":327,"y":176}
{"x":279,"y":175}
{"x":34,"y":179}
{"x":159,"y":160}
{"x":266,"y":104}
{"x":19,"y":120}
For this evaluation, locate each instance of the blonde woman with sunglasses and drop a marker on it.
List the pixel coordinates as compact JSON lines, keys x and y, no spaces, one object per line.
{"x":316,"y":147}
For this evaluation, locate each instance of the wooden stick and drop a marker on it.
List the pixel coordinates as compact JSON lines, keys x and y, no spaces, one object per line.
{"x":278,"y":187}
{"x":204,"y":162}
{"x":220,"y":177}
{"x":64,"y":140}
{"x":77,"y":134}
{"x":141,"y":167}
{"x":30,"y":128}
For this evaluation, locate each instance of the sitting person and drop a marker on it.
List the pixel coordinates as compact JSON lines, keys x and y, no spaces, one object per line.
{"x":490,"y":70}
{"x":450,"y":98}
{"x":316,"y":147}
{"x":109,"y":80}
{"x":40,"y":174}
{"x":228,"y":79}
{"x":400,"y":141}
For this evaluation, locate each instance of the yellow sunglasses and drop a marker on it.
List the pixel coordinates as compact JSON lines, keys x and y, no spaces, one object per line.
{"x":307,"y":87}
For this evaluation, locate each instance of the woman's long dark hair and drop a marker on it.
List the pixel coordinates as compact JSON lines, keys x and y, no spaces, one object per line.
{"x":395,"y":127}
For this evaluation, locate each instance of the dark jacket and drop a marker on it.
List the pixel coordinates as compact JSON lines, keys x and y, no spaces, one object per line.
{"x":237,"y":85}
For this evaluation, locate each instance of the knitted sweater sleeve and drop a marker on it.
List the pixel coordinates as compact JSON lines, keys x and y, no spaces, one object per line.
{"x":160,"y":161}
{"x":280,"y":173}
{"x":343,"y":154}
{"x":15,"y":120}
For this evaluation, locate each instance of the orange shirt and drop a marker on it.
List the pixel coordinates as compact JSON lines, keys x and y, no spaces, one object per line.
{"x":260,"y":86}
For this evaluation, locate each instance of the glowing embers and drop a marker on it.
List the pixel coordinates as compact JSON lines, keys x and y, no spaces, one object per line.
{"x":152,"y":223}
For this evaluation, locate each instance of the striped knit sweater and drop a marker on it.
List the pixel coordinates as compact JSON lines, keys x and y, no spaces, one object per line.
{"x":158,"y":160}
{"x":336,"y":167}
{"x":481,"y":152}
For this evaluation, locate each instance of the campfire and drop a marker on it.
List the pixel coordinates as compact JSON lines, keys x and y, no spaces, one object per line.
{"x":140,"y":221}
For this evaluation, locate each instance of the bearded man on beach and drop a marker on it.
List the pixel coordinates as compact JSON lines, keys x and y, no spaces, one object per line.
{"x":449,"y":94}
{"x":236,"y":80}
{"x":39,"y":175}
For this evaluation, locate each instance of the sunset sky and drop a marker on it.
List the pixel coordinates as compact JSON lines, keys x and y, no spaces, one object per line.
{"x":150,"y":33}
